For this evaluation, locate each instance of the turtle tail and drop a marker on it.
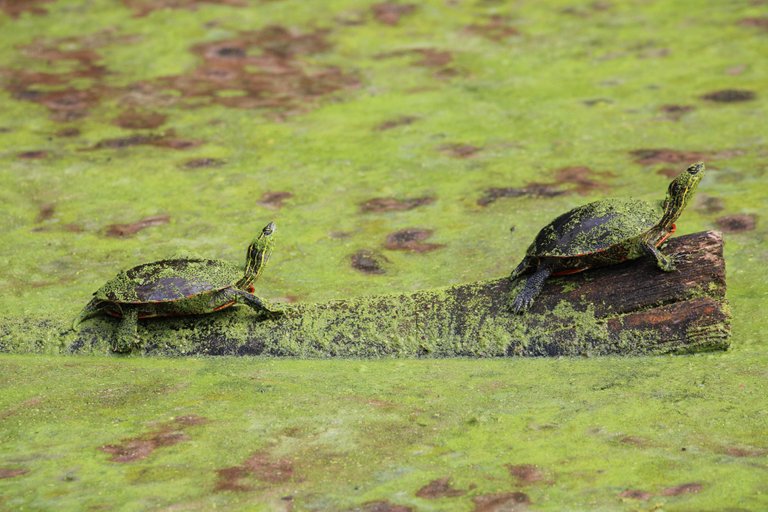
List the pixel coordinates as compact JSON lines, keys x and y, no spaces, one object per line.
{"x":521,"y":268}
{"x":93,"y":308}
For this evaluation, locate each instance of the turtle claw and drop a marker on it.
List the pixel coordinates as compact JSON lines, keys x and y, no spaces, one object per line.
{"x":521,"y":304}
{"x":681,"y":258}
{"x":671,"y":263}
{"x":273,"y":314}
{"x":270,"y":311}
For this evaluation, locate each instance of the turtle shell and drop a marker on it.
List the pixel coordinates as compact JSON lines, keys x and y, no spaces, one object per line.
{"x":169,"y":281}
{"x":595,"y":227}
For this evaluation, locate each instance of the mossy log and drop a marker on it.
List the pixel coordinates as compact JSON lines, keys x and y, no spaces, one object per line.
{"x":627,"y":309}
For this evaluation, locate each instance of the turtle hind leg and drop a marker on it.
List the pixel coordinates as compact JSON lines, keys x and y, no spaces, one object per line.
{"x":255,"y":303}
{"x":531,"y":289}
{"x":93,"y":308}
{"x":126,"y":336}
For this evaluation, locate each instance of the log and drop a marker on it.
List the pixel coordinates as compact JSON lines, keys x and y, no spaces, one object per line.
{"x":627,"y":309}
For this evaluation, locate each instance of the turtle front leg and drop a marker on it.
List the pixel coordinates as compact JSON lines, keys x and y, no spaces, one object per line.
{"x":255,"y":303}
{"x":531,"y":290}
{"x":127,"y":337}
{"x":664,"y":262}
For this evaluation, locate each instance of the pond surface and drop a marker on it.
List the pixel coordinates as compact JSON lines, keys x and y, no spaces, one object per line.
{"x":396,"y":145}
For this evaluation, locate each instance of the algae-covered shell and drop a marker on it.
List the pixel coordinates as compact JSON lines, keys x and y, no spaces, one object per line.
{"x":169,"y":280}
{"x":595,"y":227}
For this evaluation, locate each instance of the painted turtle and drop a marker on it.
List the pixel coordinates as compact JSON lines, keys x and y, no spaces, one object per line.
{"x":605,"y":233}
{"x":179,"y":287}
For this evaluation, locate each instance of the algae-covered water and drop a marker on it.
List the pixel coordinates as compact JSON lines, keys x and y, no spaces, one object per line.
{"x":395,"y":145}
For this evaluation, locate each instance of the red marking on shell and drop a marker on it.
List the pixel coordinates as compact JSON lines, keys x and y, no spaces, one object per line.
{"x":570,"y":270}
{"x":228,"y":304}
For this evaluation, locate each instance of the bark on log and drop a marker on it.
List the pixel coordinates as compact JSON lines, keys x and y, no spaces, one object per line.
{"x":627,"y":309}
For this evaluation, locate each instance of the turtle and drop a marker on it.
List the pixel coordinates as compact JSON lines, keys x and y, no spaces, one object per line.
{"x":605,"y":232}
{"x":178,"y":287}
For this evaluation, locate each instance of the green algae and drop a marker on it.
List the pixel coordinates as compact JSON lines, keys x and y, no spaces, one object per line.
{"x":383,"y":430}
{"x":576,"y":86}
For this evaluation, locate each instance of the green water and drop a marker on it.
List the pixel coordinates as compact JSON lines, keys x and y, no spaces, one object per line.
{"x":206,"y":123}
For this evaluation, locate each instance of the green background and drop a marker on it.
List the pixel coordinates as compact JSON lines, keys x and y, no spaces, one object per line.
{"x":200,"y":116}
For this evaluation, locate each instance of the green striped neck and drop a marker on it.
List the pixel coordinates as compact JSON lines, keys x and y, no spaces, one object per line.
{"x":679,"y":194}
{"x":257,"y":256}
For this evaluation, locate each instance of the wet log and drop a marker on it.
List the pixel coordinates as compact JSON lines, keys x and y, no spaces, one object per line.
{"x":627,"y":309}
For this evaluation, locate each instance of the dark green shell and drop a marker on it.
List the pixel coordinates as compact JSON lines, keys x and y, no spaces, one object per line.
{"x":595,"y":227}
{"x":169,"y":281}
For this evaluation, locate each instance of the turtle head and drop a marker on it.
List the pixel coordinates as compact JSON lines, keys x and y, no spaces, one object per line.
{"x":257,"y":255}
{"x":680,"y":192}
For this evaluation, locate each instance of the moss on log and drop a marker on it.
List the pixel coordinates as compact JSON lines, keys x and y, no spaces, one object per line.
{"x":628,"y":309}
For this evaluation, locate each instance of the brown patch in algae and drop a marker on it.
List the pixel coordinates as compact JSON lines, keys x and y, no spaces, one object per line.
{"x":669,"y":172}
{"x":689,"y":488}
{"x":710,"y":204}
{"x":491,"y":195}
{"x":675,"y":112}
{"x":140,"y":120}
{"x":391,"y":204}
{"x":583,"y":180}
{"x":256,"y":69}
{"x":579,"y":179}
{"x":166,"y":140}
{"x":261,"y":69}
{"x":143,"y":8}
{"x":740,"y":451}
{"x":380,"y":506}
{"x":458,"y":150}
{"x":21,"y":407}
{"x":440,"y":488}
{"x":729,"y":96}
{"x":497,"y":28}
{"x":36,"y":154}
{"x":636,"y":494}
{"x":368,"y":262}
{"x":429,"y":58}
{"x":525,"y":474}
{"x":12,"y":472}
{"x":667,"y":156}
{"x":504,"y":502}
{"x":141,"y":447}
{"x":755,"y":22}
{"x":68,"y":132}
{"x":259,"y":465}
{"x":62,"y":93}
{"x":389,"y":13}
{"x":274,"y":200}
{"x":638,"y":441}
{"x":45,"y":212}
{"x":411,"y":239}
{"x":396,"y":122}
{"x":737,"y":223}
{"x":123,"y":230}
{"x":199,"y":163}
{"x":14,"y":8}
